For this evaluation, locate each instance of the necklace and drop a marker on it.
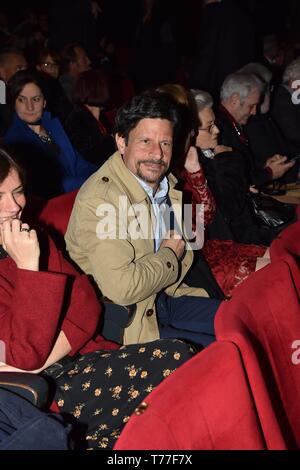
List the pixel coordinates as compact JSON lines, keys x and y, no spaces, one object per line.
{"x":46,"y":138}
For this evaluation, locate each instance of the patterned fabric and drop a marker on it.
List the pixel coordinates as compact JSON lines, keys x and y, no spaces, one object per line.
{"x":98,"y":392}
{"x":196,"y":185}
{"x":230,"y":262}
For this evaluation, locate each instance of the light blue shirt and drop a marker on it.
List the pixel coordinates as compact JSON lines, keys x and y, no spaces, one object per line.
{"x":159,"y":206}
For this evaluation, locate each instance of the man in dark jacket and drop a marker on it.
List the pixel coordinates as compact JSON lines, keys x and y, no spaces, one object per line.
{"x":240,"y":96}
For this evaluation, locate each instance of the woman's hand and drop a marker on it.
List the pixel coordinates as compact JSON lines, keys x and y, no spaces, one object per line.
{"x":21,"y":244}
{"x":192,"y":164}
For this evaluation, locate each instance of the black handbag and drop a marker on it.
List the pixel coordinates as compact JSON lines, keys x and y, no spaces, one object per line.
{"x":269,"y":211}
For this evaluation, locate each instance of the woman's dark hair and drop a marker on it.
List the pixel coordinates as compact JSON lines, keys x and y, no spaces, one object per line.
{"x":19,"y":80}
{"x":91,"y":88}
{"x":44,"y":53}
{"x":150,"y":104}
{"x":8,"y":162}
{"x":68,"y":55}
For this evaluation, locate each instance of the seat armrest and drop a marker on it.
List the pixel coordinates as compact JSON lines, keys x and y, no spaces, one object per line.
{"x":33,"y":388}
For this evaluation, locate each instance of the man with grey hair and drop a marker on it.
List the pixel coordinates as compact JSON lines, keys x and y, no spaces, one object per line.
{"x":241,"y":94}
{"x":264,"y":136}
{"x":286,"y":106}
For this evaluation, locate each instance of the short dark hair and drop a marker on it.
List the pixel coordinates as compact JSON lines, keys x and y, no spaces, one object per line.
{"x":153,"y":105}
{"x":43,"y":53}
{"x":8,"y":162}
{"x":20,"y":79}
{"x":68,"y":54}
{"x":91,"y":88}
{"x":7,"y":51}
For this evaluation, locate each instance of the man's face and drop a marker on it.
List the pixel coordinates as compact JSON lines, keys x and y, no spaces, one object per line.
{"x":81,"y":63}
{"x":246,"y":108}
{"x":14,"y":63}
{"x":149,"y":149}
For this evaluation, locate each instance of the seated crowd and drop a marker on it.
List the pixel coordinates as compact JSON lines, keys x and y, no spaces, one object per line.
{"x":153,"y":196}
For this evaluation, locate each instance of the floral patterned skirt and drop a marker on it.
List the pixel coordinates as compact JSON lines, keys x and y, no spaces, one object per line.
{"x":99,"y":391}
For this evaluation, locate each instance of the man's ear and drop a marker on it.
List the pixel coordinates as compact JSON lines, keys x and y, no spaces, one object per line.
{"x":120,"y":141}
{"x":235,"y":99}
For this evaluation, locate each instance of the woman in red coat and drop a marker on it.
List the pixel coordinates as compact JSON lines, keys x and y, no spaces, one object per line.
{"x":49,"y":315}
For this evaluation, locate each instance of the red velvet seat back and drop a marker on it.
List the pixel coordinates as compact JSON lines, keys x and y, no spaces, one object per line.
{"x":203,"y":405}
{"x":287,"y":246}
{"x":263,"y":320}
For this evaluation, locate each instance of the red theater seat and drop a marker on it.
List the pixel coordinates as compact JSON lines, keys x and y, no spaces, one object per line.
{"x":263,"y":320}
{"x":205,"y":404}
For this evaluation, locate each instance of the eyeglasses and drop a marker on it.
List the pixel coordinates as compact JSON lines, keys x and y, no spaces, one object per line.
{"x":50,"y":65}
{"x":209,"y":128}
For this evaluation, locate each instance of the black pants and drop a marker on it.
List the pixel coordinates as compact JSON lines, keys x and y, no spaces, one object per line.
{"x":187,"y":317}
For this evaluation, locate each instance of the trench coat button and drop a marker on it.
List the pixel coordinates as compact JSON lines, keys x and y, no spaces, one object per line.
{"x":105,"y":179}
{"x":228,"y":297}
{"x":150,"y":312}
{"x":141,"y":408}
{"x":169,"y":264}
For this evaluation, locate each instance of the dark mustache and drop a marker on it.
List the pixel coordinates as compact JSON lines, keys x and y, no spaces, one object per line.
{"x":156,"y":162}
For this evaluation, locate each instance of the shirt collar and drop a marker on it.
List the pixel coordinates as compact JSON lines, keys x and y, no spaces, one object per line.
{"x":161,"y":192}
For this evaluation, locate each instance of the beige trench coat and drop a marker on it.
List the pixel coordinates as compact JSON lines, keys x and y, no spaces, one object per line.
{"x":125,"y":267}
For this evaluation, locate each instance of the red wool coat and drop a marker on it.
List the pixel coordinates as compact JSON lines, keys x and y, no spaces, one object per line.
{"x":35,"y":306}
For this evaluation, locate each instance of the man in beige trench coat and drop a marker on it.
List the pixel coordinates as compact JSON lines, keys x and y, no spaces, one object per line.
{"x":120,"y":234}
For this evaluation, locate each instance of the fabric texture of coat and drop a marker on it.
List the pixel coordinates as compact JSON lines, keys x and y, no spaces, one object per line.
{"x":34,"y":303}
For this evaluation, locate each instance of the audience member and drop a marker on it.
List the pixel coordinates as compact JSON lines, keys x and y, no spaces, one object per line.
{"x":11,"y":61}
{"x":230,"y":262}
{"x":286,"y":106}
{"x":87,"y":126}
{"x":241,"y":95}
{"x":264,"y":136}
{"x":54,"y":165}
{"x":117,"y":231}
{"x":75,"y":61}
{"x":48,"y":64}
{"x":49,"y":317}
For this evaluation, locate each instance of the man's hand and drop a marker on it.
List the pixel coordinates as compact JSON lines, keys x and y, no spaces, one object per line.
{"x":277,"y":163}
{"x":174,"y":241}
{"x":21,"y":244}
{"x":192,"y":164}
